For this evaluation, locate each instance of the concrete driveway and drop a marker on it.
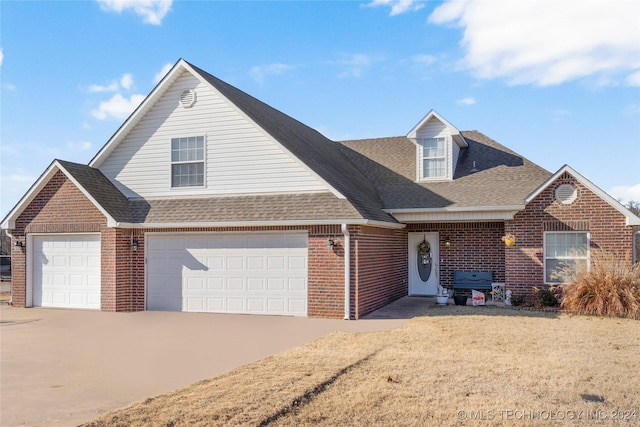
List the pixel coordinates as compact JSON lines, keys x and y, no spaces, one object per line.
{"x":65,"y":367}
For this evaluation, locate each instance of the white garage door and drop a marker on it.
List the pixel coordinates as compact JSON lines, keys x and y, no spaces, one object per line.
{"x":66,"y":271}
{"x":256,"y":273}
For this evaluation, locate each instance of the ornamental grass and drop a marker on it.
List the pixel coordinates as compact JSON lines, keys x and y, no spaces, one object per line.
{"x":610,"y":287}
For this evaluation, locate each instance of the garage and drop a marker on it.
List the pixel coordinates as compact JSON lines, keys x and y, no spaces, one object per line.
{"x":251,"y":273}
{"x":66,"y":271}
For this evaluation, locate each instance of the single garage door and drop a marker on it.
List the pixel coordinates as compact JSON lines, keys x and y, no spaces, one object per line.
{"x":66,"y":271}
{"x":255,"y":273}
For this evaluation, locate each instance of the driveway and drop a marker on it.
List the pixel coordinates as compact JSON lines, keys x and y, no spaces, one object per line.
{"x":65,"y":367}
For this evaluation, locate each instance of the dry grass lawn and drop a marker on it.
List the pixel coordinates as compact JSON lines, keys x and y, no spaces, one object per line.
{"x":454,"y":366}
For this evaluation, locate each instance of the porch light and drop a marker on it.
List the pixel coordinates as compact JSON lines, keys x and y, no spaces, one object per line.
{"x":18,"y":245}
{"x":331,"y":243}
{"x":134,"y":245}
{"x":447,"y":241}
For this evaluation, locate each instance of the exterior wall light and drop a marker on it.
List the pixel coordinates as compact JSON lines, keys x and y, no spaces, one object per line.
{"x":134,"y":245}
{"x":331,"y":243}
{"x":18,"y":245}
{"x":447,"y":241}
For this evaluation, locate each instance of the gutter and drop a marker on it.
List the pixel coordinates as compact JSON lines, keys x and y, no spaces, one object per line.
{"x":347,"y":272}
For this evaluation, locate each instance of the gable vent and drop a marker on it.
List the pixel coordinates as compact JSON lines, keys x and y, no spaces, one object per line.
{"x":566,"y":194}
{"x":187,"y":98}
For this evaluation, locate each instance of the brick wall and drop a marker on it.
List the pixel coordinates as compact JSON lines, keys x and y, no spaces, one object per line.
{"x":59,"y":208}
{"x":524,"y":261}
{"x":474,"y":246}
{"x":379,"y":268}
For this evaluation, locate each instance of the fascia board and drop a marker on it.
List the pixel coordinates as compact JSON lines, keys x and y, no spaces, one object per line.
{"x":455,"y":133}
{"x":456,"y":209}
{"x":267,"y":135}
{"x":380,"y":224}
{"x":138,"y":113}
{"x":631,"y":219}
{"x":9,"y":221}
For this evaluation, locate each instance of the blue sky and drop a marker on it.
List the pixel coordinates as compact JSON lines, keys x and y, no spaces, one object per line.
{"x":557,"y":82}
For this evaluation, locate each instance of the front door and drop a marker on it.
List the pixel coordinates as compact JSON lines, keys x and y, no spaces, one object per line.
{"x":424,"y":272}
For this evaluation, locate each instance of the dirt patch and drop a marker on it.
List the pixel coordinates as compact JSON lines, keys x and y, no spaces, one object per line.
{"x":460,"y":366}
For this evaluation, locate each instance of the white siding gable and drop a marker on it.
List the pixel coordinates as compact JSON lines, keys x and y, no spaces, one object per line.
{"x":434,"y":128}
{"x":240,"y":157}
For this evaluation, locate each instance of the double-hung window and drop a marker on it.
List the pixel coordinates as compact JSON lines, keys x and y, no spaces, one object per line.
{"x":434,"y":157}
{"x":564,"y":252}
{"x":187,"y":161}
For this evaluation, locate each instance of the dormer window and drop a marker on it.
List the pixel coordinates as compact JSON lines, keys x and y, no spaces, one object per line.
{"x":438,"y":145}
{"x":434,"y":157}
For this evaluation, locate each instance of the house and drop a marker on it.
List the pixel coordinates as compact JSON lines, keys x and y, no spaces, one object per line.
{"x":207,"y":199}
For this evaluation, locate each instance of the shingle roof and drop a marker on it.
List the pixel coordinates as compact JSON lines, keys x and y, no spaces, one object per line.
{"x":278,"y":207}
{"x":319,"y":153}
{"x":503,"y":177}
{"x":100,"y":188}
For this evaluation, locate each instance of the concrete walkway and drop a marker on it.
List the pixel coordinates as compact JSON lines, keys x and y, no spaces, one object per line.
{"x":65,"y":367}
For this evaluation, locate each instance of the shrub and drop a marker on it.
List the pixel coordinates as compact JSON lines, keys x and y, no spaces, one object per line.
{"x":517,"y":300}
{"x":611,"y":287}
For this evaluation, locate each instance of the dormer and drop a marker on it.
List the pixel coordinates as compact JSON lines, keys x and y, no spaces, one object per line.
{"x":438,"y":145}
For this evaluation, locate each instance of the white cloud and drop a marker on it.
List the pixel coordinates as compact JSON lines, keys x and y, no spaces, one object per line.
{"x":398,"y":6}
{"x":1,"y":56}
{"x":633,"y":79}
{"x":163,"y":72}
{"x":151,"y":11}
{"x":259,"y":72}
{"x":118,"y":107}
{"x":355,"y":64}
{"x":466,"y":101}
{"x":423,"y":59}
{"x":85,"y":145}
{"x":547,"y":42}
{"x":626,"y":193}
{"x":108,"y":88}
{"x":15,"y":178}
{"x":125,"y":82}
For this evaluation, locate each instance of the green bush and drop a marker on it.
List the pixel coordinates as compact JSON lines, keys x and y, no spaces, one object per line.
{"x":610,"y":287}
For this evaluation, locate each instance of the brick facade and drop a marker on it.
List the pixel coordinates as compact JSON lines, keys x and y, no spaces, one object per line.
{"x":524,"y":263}
{"x":474,"y":246}
{"x":378,"y":256}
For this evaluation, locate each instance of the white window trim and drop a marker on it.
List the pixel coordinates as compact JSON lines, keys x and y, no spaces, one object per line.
{"x":544,"y":253}
{"x":447,"y":159}
{"x":204,"y":161}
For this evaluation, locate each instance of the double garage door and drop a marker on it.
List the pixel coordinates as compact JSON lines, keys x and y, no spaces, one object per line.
{"x":66,"y":270}
{"x":253,"y":273}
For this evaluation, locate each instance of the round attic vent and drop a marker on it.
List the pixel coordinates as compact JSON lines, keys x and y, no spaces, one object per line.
{"x":566,"y":194}
{"x":188,"y":98}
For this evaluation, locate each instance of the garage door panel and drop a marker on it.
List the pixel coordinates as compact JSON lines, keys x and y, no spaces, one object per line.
{"x":244,"y":273}
{"x":66,"y":271}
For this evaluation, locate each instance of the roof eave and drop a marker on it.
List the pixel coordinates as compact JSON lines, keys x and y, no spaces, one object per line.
{"x":460,"y":214}
{"x":455,"y":133}
{"x":631,"y":219}
{"x":272,"y":223}
{"x":9,"y":221}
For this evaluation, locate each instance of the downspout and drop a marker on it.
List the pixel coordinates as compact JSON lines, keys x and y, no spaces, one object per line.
{"x":347,"y":272}
{"x":634,"y":250}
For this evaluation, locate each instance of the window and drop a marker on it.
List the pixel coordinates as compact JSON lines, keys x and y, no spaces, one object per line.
{"x":564,"y":251}
{"x":187,"y":162}
{"x":434,"y":164}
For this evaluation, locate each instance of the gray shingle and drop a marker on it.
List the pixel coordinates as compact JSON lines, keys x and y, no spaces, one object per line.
{"x":279,"y":207}
{"x":503,"y":177}
{"x":100,"y":188}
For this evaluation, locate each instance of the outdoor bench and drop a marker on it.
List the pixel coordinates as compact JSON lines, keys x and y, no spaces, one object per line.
{"x":478,"y":280}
